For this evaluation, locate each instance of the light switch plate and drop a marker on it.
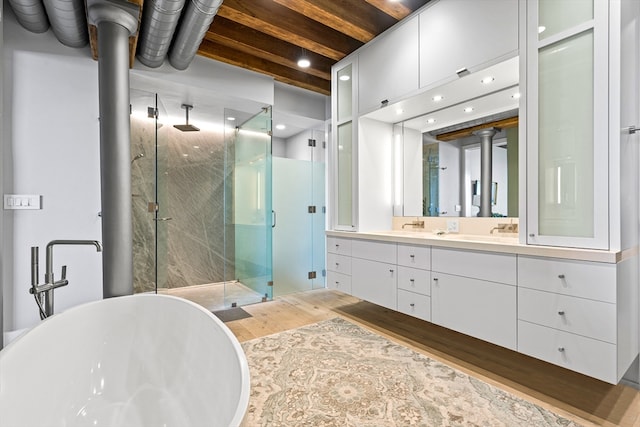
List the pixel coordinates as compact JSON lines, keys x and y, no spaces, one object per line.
{"x":22,"y":201}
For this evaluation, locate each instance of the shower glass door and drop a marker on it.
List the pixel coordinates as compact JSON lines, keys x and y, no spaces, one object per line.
{"x":148,"y":166}
{"x":248,"y":210}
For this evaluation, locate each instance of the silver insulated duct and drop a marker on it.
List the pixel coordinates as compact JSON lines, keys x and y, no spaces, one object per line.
{"x":195,"y":22}
{"x":159,"y":22}
{"x":68,"y":21}
{"x":31,"y":15}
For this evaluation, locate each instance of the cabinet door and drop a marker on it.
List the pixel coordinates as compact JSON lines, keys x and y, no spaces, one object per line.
{"x":484,"y":310}
{"x":374,"y":282}
{"x":344,"y":146}
{"x":470,"y":34}
{"x":567,"y":126}
{"x":338,"y":281}
{"x":388,"y":66}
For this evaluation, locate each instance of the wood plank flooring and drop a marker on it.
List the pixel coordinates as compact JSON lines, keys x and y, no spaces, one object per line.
{"x":562,"y":391}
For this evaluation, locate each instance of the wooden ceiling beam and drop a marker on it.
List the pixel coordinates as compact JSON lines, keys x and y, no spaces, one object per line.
{"x":253,"y":42}
{"x":395,"y":9}
{"x":281,"y":73}
{"x":357,"y":19}
{"x":463,"y":133}
{"x":284,"y":24}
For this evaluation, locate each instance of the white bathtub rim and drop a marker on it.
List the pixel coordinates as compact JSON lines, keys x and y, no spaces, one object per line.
{"x":243,"y":402}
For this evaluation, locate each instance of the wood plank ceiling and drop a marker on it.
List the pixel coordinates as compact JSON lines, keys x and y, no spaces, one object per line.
{"x":268,"y":36}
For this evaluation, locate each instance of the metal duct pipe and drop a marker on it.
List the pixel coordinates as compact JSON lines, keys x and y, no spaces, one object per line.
{"x":114,"y":28}
{"x":31,"y":15}
{"x":486,"y":172}
{"x":195,"y":22}
{"x":159,"y":22}
{"x":68,"y":21}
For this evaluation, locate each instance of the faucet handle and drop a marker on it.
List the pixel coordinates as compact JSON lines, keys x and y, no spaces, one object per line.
{"x":64,"y":272}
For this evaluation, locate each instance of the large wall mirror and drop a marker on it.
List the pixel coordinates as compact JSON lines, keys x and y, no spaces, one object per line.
{"x":440,"y":146}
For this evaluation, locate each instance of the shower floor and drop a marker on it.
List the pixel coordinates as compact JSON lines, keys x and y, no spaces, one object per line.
{"x":217,"y":296}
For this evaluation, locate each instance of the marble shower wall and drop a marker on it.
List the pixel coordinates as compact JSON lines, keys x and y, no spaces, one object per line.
{"x":190,"y":176}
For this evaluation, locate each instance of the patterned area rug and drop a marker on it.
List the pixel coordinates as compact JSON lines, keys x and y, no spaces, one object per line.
{"x":335,"y":373}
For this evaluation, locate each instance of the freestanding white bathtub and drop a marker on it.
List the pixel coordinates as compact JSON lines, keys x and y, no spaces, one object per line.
{"x":142,"y":360}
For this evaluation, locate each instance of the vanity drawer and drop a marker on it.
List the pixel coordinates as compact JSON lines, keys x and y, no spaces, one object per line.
{"x":338,"y":281}
{"x":339,"y":263}
{"x":493,"y":267}
{"x":414,"y":256}
{"x":584,"y":279}
{"x":374,"y":251}
{"x":338,"y":245}
{"x":593,"y":319}
{"x":585,"y":355}
{"x":414,"y":280}
{"x":414,"y":305}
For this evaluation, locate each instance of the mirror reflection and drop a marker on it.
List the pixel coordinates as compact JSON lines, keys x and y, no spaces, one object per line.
{"x":449,"y":160}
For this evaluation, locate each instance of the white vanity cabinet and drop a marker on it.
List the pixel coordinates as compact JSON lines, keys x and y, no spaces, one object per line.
{"x":471,"y":34}
{"x":578,"y":314}
{"x":475,"y":293}
{"x":414,"y":284}
{"x":339,"y":264}
{"x":374,"y":272}
{"x":388,"y":66}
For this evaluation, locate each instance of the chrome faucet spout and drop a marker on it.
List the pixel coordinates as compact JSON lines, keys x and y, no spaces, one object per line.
{"x":50,"y":284}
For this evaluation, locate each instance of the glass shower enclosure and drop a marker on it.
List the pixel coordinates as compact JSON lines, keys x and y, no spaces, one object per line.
{"x":201,"y":205}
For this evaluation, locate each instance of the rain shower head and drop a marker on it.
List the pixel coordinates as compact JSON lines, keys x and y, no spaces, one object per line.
{"x":186,"y":127}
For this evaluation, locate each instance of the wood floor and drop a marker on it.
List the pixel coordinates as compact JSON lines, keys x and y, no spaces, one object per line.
{"x":564,"y":392}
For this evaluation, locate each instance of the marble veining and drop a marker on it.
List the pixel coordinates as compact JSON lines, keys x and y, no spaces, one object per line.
{"x":190,"y":190}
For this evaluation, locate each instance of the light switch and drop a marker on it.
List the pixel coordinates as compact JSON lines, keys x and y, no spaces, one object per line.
{"x":22,"y":201}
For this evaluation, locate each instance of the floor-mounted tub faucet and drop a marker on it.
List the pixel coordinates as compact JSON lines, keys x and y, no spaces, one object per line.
{"x":44,"y":293}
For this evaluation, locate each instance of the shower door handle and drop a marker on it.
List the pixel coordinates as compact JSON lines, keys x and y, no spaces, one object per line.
{"x":166,"y":218}
{"x":273,"y":220}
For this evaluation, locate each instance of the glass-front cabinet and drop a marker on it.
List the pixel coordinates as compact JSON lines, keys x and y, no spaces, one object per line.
{"x":344,"y":149}
{"x":567,"y":123}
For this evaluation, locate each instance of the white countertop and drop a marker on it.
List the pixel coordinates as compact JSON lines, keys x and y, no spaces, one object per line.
{"x":491,"y":243}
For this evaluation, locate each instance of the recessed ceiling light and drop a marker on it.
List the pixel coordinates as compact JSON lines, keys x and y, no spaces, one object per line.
{"x":541,"y":29}
{"x":281,"y":127}
{"x":438,"y":98}
{"x":185,"y":155}
{"x":304,"y":63}
{"x":487,"y":80}
{"x":345,"y":77}
{"x":516,"y":95}
{"x":468,"y":109}
{"x":431,"y":121}
{"x":399,"y":111}
{"x":231,"y":119}
{"x":196,"y":146}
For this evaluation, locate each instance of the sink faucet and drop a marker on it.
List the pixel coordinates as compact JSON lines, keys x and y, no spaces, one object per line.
{"x":505,"y":228}
{"x":44,"y":293}
{"x":414,"y":224}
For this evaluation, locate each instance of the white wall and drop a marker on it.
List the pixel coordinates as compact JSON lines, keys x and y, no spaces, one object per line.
{"x":51,"y":148}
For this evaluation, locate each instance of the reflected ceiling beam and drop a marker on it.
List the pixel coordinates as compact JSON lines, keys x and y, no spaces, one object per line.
{"x":358,"y":20}
{"x":463,"y":133}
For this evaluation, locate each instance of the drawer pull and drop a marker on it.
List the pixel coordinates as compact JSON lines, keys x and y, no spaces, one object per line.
{"x":435,"y":279}
{"x":391,"y":270}
{"x":561,"y":312}
{"x":337,"y":264}
{"x":337,"y":246}
{"x":412,"y":280}
{"x":412,"y":305}
{"x":337,"y":283}
{"x":412,"y":256}
{"x":560,"y":276}
{"x":561,"y":349}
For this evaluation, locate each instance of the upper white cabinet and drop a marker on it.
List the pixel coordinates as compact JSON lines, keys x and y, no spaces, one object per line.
{"x":471,"y":34}
{"x":388,"y":67}
{"x":567,"y":126}
{"x":581,"y":98}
